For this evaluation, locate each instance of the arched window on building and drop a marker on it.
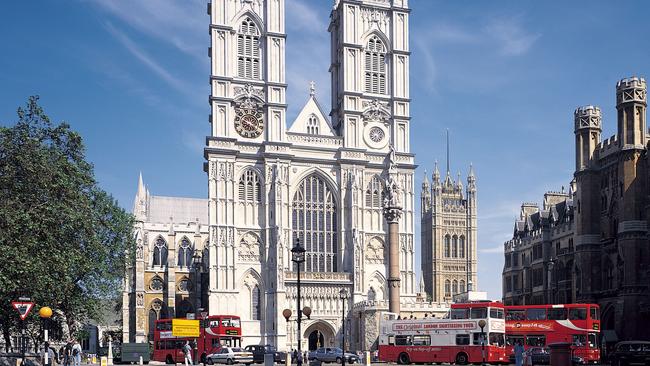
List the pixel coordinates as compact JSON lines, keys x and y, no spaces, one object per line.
{"x":447,"y":246}
{"x":250,"y":188}
{"x":372,"y":295}
{"x":160,"y":252}
{"x":454,"y":287}
{"x":454,"y":247}
{"x":255,"y":304}
{"x":375,"y":66}
{"x":461,"y":247}
{"x":374,"y":193}
{"x":462,"y":286}
{"x":313,"y":125}
{"x":314,"y":219}
{"x":447,"y":288}
{"x":185,"y":252}
{"x":248,"y":50}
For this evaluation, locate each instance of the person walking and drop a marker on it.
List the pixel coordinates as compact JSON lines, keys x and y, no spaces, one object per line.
{"x":47,"y":350}
{"x":66,"y":353}
{"x":76,"y":353}
{"x":519,"y":353}
{"x":187,"y":351}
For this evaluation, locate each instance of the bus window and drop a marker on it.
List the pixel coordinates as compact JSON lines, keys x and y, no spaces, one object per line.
{"x":391,"y":340}
{"x":578,"y":314}
{"x":496,"y":313}
{"x":593,"y":313}
{"x":235,"y":323}
{"x":462,"y":339}
{"x":511,"y":340}
{"x":536,"y":340}
{"x":515,"y":315}
{"x":536,"y":314}
{"x":579,"y":340}
{"x":402,"y":340}
{"x":458,"y":314}
{"x":593,"y":340}
{"x":421,"y":340}
{"x":214,"y":323}
{"x":497,"y":339}
{"x":169,"y":345}
{"x":478,"y":313}
{"x":557,"y":314}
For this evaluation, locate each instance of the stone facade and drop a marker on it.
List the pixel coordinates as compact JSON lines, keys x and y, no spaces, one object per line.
{"x":448,"y":226}
{"x":591,"y":243}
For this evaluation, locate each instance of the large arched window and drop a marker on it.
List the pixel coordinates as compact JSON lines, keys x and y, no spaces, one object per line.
{"x":454,"y":247}
{"x":160,"y":252}
{"x":248,"y":50}
{"x":447,"y":246}
{"x":185,"y":253}
{"x":374,"y":193}
{"x":255,"y":303}
{"x":313,"y":125}
{"x":314,"y":219}
{"x":454,"y":287}
{"x":462,"y":286}
{"x":250,"y":189}
{"x":375,"y":66}
{"x":447,"y":288}
{"x":461,"y":247}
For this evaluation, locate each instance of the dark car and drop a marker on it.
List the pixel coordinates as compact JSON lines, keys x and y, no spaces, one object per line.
{"x":259,"y":351}
{"x":631,"y":353}
{"x":542,"y":356}
{"x":332,"y":354}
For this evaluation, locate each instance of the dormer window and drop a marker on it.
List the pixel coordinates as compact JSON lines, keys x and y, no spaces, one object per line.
{"x":313,"y":125}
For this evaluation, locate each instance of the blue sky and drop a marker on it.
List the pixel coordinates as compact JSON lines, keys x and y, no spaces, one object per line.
{"x":503,"y":76}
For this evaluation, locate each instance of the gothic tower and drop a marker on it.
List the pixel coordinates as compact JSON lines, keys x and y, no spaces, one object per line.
{"x":370,"y":73}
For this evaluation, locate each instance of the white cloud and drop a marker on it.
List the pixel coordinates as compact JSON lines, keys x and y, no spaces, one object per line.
{"x":512,"y":38}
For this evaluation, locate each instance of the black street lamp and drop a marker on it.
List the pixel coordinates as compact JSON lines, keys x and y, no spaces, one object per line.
{"x":343,"y":294}
{"x":198,"y":268}
{"x":298,"y":257}
{"x":482,"y":323}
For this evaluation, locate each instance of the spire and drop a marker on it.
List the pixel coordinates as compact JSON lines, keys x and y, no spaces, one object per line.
{"x":447,"y":152}
{"x":141,"y":189}
{"x":421,"y":282}
{"x":436,"y":174}
{"x":471,"y":178}
{"x":312,"y":88}
{"x":425,"y":182}
{"x":459,"y":181}
{"x":140,"y":201}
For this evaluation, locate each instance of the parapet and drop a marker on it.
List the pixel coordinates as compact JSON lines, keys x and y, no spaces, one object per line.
{"x":588,"y":116}
{"x":632,"y":89}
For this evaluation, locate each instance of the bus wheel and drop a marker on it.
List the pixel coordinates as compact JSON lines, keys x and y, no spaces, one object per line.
{"x":461,"y":359}
{"x":169,"y":360}
{"x":403,"y":359}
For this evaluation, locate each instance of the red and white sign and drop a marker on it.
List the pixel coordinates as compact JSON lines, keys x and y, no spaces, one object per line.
{"x":433,"y":325}
{"x":23,"y":308}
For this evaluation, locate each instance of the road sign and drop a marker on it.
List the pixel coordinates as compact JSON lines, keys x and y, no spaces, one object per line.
{"x":23,"y":308}
{"x":185,"y":328}
{"x":204,"y":314}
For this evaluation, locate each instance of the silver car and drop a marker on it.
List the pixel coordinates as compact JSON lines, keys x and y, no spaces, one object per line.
{"x":332,"y":354}
{"x":230,"y":355}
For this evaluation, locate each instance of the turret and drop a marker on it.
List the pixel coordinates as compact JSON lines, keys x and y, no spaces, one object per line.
{"x":587,"y":121}
{"x":141,"y":200}
{"x":631,"y":103}
{"x":471,"y":180}
{"x":426,"y":194}
{"x":436,"y":176}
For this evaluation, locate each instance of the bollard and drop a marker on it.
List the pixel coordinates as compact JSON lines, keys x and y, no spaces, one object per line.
{"x":367,"y":358}
{"x":140,"y":362}
{"x":287,"y":359}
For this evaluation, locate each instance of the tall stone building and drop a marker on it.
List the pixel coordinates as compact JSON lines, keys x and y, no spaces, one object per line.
{"x":591,"y":245}
{"x":448,"y":226}
{"x":339,"y":184}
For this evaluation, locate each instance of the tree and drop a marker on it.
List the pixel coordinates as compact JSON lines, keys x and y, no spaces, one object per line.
{"x":64,"y":241}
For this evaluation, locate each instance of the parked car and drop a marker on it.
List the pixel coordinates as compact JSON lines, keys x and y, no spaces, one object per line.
{"x":631,"y":353}
{"x":542,"y":356}
{"x":229,"y":356}
{"x":259,"y":351}
{"x":333,"y":354}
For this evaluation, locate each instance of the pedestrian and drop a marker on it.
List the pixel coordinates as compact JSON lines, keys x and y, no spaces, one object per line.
{"x":47,"y":350}
{"x":76,"y":353}
{"x":187,"y":351}
{"x":519,"y":353}
{"x":66,"y":353}
{"x":295,"y":355}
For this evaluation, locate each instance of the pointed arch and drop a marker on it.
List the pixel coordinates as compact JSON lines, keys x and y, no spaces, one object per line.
{"x":159,"y":257}
{"x":461,"y":246}
{"x":315,"y":222}
{"x":368,"y":35}
{"x":454,"y":246}
{"x":313,"y":125}
{"x":375,"y":64}
{"x":447,"y":246}
{"x":250,"y":185}
{"x":251,"y":291}
{"x":185,"y":253}
{"x":249,"y":32}
{"x":377,"y":282}
{"x":375,"y":192}
{"x":454,"y":287}
{"x":447,"y":288}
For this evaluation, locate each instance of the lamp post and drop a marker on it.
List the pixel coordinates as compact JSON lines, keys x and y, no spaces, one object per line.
{"x":45,"y":313}
{"x":343,"y":294}
{"x":198,"y":266}
{"x":298,"y":257}
{"x":551,"y":264}
{"x":482,"y":323}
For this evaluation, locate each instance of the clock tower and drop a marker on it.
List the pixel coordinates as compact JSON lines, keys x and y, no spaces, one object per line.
{"x":247,"y":70}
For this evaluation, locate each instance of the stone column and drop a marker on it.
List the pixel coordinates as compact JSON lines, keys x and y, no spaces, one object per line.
{"x":392,"y":215}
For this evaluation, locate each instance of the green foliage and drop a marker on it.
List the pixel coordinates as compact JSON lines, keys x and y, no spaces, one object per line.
{"x":64,"y":241}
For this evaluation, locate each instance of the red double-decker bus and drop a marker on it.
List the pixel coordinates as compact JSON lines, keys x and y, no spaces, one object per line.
{"x":457,"y":338}
{"x":541,"y":325}
{"x":215,"y":331}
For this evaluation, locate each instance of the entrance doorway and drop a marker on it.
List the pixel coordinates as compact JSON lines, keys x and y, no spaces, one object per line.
{"x":316,"y":340}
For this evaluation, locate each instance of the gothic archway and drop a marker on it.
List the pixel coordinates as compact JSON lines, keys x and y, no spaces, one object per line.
{"x":325,"y":333}
{"x":316,"y":340}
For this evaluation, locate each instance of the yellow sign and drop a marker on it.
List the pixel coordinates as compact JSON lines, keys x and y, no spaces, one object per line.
{"x":103,"y":361}
{"x":185,"y":328}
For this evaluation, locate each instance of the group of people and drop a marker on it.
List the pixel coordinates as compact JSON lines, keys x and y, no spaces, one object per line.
{"x":68,"y":355}
{"x":521,"y":356}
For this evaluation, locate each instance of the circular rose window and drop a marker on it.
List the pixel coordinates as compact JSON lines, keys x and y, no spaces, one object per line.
{"x":376,"y":134}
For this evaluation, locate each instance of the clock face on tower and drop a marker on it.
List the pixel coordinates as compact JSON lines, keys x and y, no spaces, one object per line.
{"x":249,"y":123}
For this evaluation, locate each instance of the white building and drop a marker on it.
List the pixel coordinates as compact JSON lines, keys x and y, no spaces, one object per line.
{"x":318,"y":179}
